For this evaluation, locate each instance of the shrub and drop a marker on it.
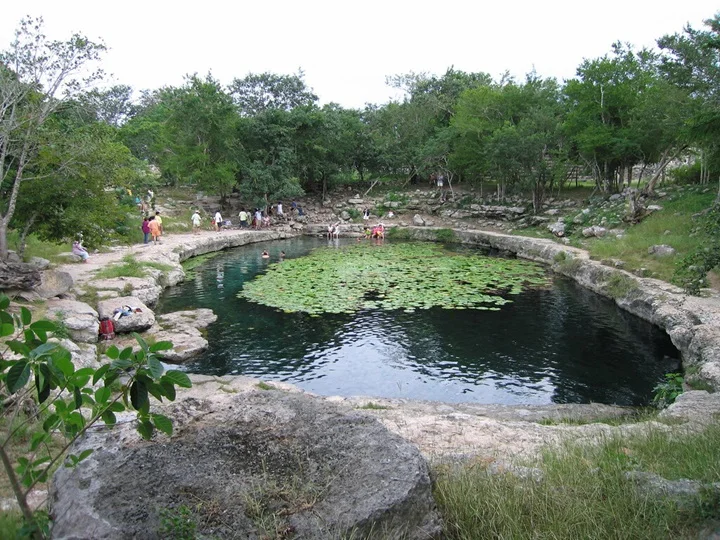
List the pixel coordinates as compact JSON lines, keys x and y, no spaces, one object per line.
{"x":69,"y":401}
{"x":446,"y":235}
{"x":619,"y":285}
{"x":667,"y":391}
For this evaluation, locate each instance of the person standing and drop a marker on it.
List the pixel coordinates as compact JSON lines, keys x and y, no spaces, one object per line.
{"x":280,"y":213}
{"x":154,"y":229}
{"x":258,"y":218}
{"x":243,"y":215}
{"x":196,"y":222}
{"x":159,"y":222}
{"x":146,"y":230}
{"x":218,"y":221}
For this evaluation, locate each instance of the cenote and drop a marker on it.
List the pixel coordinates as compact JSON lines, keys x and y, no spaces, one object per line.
{"x":558,"y":343}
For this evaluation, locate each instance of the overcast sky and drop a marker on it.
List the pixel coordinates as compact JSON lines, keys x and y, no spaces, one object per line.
{"x":347,"y":49}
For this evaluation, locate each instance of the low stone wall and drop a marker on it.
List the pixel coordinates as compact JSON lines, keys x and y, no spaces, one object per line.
{"x":693,"y":323}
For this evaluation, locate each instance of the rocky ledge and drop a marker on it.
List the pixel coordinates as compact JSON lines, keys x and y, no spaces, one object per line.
{"x":252,"y":463}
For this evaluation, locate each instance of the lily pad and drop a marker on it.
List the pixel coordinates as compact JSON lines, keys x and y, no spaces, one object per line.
{"x":407,"y":276}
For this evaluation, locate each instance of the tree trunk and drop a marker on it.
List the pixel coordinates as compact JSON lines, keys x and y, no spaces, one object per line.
{"x":666,"y":158}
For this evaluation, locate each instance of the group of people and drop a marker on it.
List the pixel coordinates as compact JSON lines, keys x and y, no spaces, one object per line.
{"x":152,"y":227}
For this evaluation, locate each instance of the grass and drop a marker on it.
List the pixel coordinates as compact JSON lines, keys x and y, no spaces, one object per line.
{"x":10,"y":524}
{"x":585,"y":492}
{"x":373,"y":407}
{"x":672,"y":226}
{"x":446,"y":235}
{"x":620,"y":285}
{"x":265,"y":386}
{"x":130,"y":267}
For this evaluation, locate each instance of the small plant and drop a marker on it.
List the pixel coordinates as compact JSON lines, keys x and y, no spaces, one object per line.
{"x":354,"y":213}
{"x":668,"y":390}
{"x":373,"y":407}
{"x":619,"y":285}
{"x":570,"y":265}
{"x":560,"y":256}
{"x":398,"y":233}
{"x":265,"y":386}
{"x":446,"y":235}
{"x":178,"y":524}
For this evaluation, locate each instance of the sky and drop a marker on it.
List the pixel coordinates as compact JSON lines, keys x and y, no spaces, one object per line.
{"x":347,"y":49}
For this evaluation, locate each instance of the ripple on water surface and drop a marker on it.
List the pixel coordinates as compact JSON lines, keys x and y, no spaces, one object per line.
{"x":558,"y":345}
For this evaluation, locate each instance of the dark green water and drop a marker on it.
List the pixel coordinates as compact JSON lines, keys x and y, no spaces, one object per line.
{"x":562,"y":345}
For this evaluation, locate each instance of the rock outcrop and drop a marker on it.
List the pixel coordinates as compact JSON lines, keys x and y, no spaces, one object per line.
{"x":80,"y":319}
{"x":322,"y":472}
{"x":136,"y":319}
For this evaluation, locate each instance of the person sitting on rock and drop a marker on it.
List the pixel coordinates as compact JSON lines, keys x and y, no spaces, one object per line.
{"x":80,"y":251}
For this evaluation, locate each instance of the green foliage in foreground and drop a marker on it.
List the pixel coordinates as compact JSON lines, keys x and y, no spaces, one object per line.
{"x":391,"y":276}
{"x":692,"y":270}
{"x":585,"y":492}
{"x":41,"y":374}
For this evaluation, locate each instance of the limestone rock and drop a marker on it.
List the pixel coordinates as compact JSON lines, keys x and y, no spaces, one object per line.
{"x":138,"y":321}
{"x":356,"y":201}
{"x":195,"y":318}
{"x":418,"y":221}
{"x":39,"y":263}
{"x":54,"y":283}
{"x":18,"y":275}
{"x":557,"y":228}
{"x":235,"y":448}
{"x":80,"y":319}
{"x":344,"y":215}
{"x":146,"y":289}
{"x":595,"y":231}
{"x":661,"y":250}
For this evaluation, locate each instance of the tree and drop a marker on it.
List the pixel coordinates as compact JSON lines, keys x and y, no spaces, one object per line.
{"x":37,"y":76}
{"x":622,"y":112}
{"x":691,"y":61}
{"x":257,"y":93}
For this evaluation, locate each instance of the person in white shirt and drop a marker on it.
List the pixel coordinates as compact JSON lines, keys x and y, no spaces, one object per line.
{"x":218,"y":220}
{"x":280,"y":213}
{"x":196,"y":222}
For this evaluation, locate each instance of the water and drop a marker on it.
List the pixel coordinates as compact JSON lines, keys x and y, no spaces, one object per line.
{"x":561,"y":345}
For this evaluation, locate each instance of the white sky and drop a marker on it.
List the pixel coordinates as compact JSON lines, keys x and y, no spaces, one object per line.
{"x":347,"y":49}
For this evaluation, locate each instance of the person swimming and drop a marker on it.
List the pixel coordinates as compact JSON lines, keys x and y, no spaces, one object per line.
{"x":265,"y":255}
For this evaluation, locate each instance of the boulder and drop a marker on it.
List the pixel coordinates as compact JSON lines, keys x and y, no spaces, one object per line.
{"x":147,"y":290}
{"x":195,"y":318}
{"x":82,"y":354}
{"x":356,"y":201}
{"x":39,"y":263}
{"x":187,"y":343}
{"x":69,"y":256}
{"x":54,"y":283}
{"x":595,"y":231}
{"x":344,"y":215}
{"x":418,"y":221}
{"x":137,"y":321}
{"x":80,"y":319}
{"x":661,"y":250}
{"x":319,"y":470}
{"x":18,"y":275}
{"x":557,"y":228}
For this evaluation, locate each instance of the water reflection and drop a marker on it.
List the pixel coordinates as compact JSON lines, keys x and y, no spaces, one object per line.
{"x":561,"y":345}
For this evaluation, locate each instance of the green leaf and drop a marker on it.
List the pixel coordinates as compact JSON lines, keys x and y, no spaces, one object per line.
{"x":102,"y":395}
{"x":7,"y":329}
{"x":85,"y":454}
{"x":163,"y":423}
{"x":126,"y":353}
{"x":112,"y":352}
{"x":116,"y":406}
{"x":178,"y":378}
{"x":43,"y":379}
{"x":145,"y":428}
{"x":168,"y":389}
{"x":65,"y":365}
{"x":156,"y":368}
{"x":18,"y":376}
{"x":25,"y":315}
{"x":139,"y":396}
{"x":99,"y":372}
{"x":39,"y":438}
{"x":161,"y":346}
{"x":18,"y":347}
{"x":45,"y":349}
{"x":78,"y":398}
{"x":46,"y":326}
{"x":4,"y":301}
{"x":121,"y":364}
{"x":51,"y":422}
{"x":109,"y":418}
{"x":155,"y":390}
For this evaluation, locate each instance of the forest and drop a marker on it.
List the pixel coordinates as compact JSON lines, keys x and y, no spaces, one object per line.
{"x":72,"y":149}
